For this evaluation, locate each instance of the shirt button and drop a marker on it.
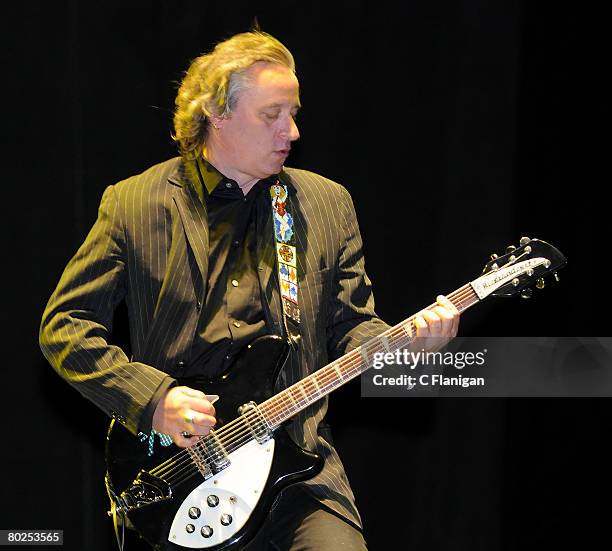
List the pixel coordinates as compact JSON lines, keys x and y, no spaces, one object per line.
{"x":198,"y":306}
{"x":236,"y":324}
{"x":180,"y":365}
{"x":236,"y":243}
{"x":228,"y":184}
{"x":235,"y":282}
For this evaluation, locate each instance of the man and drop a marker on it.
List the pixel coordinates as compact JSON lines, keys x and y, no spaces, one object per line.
{"x":197,"y":247}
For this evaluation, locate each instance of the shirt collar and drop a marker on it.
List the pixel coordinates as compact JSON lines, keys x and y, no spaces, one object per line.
{"x":211,"y":177}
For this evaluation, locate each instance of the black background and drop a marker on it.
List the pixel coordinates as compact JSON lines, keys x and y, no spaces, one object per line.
{"x":457,"y":126}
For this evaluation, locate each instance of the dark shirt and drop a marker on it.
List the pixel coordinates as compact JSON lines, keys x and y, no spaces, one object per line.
{"x":232,"y":314}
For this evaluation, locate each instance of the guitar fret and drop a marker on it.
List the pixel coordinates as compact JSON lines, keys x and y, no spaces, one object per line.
{"x":337,"y":370}
{"x":330,"y":377}
{"x":301,"y":387}
{"x":295,"y":404}
{"x":385,"y":342}
{"x":331,"y":381}
{"x":295,"y":400}
{"x":409,"y":330}
{"x":314,"y":390}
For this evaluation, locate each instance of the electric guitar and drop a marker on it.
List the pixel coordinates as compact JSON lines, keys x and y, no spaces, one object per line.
{"x":216,"y":494}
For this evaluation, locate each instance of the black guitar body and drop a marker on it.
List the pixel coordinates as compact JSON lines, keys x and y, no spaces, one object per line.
{"x":251,"y":378}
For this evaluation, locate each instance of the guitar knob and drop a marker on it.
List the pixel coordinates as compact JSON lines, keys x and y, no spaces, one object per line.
{"x":526,"y":293}
{"x":226,"y":519}
{"x":540,"y":284}
{"x":194,"y":512}
{"x":212,"y":501}
{"x":190,"y":528}
{"x":524,"y":241}
{"x":206,"y":531}
{"x":510,"y":248}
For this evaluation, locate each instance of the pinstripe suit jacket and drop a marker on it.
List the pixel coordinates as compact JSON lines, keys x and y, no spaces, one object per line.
{"x":149,"y":246}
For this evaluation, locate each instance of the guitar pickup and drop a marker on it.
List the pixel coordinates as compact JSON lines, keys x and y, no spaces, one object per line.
{"x":199,"y":459}
{"x":212,"y":452}
{"x":255,"y":421}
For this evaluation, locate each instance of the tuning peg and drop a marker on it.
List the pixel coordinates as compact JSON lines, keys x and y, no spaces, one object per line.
{"x":556,"y":276}
{"x":540,"y":284}
{"x":526,"y":293}
{"x":524,"y":241}
{"x":494,"y":256}
{"x":510,"y":248}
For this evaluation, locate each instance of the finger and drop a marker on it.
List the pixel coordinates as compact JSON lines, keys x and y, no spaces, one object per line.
{"x":201,"y":405}
{"x":455,"y":327}
{"x":422,"y":329}
{"x":446,"y":320}
{"x":446,"y":303}
{"x":183,"y":441}
{"x":199,"y":422}
{"x":192,"y":392}
{"x":187,"y":415}
{"x":433,"y":322}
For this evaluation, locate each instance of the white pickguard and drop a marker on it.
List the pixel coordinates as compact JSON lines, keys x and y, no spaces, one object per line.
{"x":238,"y":489}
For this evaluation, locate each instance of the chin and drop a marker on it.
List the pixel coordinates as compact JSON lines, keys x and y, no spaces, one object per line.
{"x":273,"y":169}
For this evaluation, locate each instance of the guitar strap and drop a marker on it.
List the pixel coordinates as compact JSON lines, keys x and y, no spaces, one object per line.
{"x":286,"y":257}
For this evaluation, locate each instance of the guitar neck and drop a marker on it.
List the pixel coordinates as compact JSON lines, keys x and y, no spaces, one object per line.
{"x":300,"y":395}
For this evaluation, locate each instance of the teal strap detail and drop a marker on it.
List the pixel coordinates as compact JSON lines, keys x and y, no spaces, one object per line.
{"x":164,"y":440}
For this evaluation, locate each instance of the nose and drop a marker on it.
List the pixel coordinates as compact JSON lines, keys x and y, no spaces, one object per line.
{"x":290,"y":130}
{"x":294,"y":133}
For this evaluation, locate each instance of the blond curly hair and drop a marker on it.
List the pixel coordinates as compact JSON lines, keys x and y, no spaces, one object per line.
{"x":213,"y":81}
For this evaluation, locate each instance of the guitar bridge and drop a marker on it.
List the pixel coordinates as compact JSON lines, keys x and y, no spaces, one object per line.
{"x":255,"y":421}
{"x":209,"y":455}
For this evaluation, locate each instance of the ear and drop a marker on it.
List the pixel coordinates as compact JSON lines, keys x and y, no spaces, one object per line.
{"x":217,"y":121}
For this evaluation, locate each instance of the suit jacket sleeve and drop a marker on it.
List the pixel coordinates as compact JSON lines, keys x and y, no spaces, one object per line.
{"x":77,"y":323}
{"x":352,"y":319}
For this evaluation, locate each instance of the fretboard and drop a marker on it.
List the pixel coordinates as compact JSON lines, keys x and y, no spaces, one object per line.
{"x":300,"y":395}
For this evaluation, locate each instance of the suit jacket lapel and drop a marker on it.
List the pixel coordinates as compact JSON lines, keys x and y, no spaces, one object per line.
{"x":189,"y":231}
{"x":190,"y":204}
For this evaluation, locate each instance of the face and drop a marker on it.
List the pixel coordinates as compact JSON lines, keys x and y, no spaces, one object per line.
{"x":255,"y":138}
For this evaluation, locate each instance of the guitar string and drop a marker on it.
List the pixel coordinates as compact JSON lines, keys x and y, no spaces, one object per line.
{"x":176,"y":477}
{"x":286,"y":401}
{"x":237,"y":434}
{"x":282,"y":400}
{"x":396,"y":333}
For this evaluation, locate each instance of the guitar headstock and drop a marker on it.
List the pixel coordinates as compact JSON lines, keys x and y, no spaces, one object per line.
{"x":519,"y":269}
